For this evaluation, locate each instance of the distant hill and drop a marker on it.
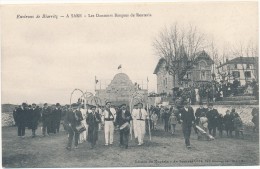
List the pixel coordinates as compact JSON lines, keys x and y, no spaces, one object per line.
{"x":8,"y":107}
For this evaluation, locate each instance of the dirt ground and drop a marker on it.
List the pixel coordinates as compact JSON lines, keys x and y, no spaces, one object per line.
{"x":163,"y":150}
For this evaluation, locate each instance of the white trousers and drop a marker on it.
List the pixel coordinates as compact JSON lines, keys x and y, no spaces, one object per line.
{"x":135,"y":128}
{"x":109,"y":132}
{"x":84,"y":134}
{"x":140,"y":128}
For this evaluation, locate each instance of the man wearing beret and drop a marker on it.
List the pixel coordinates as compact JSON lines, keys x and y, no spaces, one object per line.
{"x":93,"y":119}
{"x":123,"y":118}
{"x":213,"y":117}
{"x":187,"y":119}
{"x":109,"y":119}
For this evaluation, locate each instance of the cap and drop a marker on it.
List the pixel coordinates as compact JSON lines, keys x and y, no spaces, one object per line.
{"x":45,"y":104}
{"x":57,"y":104}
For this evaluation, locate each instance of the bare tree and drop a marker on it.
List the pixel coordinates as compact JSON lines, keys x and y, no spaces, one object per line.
{"x":178,"y":46}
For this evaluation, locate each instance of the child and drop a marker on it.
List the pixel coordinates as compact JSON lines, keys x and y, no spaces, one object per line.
{"x":220,"y":125}
{"x":172,"y":122}
{"x":238,"y":125}
{"x":154,"y":119}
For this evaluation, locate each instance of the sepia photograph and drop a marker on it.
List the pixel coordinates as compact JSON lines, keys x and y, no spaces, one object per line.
{"x":147,"y":84}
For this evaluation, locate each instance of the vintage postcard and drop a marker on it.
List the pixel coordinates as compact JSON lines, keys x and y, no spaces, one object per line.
{"x":130,"y":84}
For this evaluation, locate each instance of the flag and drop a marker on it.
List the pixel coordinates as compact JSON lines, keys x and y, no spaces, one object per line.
{"x":96,"y":81}
{"x":119,"y":67}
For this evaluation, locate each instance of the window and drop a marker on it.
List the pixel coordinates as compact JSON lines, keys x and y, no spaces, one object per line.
{"x":236,"y":74}
{"x":248,"y":74}
{"x":235,"y":66}
{"x":203,"y":75}
{"x":247,"y":66}
{"x":202,"y":64}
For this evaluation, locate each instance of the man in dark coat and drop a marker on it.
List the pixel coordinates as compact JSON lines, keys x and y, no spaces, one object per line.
{"x":46,"y":120}
{"x":187,"y":119}
{"x":93,"y":119}
{"x":123,"y":119}
{"x":20,"y":119}
{"x":72,"y":120}
{"x":213,"y":117}
{"x":35,"y":117}
{"x":198,"y":113}
{"x":56,"y":113}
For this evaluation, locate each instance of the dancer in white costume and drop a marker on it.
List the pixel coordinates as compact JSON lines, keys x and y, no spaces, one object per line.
{"x":140,"y":115}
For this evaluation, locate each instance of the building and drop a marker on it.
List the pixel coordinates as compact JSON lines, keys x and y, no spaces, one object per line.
{"x":241,"y":68}
{"x":200,"y":73}
{"x":120,"y":90}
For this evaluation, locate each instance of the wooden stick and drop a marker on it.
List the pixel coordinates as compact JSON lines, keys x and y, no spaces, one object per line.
{"x":149,"y":123}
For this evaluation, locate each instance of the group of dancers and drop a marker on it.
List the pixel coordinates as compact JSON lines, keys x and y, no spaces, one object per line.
{"x":83,"y":123}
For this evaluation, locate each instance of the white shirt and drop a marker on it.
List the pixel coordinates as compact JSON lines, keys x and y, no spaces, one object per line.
{"x":106,"y":114}
{"x":139,"y":115}
{"x":84,"y":113}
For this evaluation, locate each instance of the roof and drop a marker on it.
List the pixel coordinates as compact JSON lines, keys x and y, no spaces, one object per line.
{"x":241,"y":60}
{"x":203,"y":55}
{"x":162,"y":60}
{"x":198,"y":56}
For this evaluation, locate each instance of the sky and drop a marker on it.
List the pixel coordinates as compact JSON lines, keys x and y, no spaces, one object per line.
{"x":43,"y":60}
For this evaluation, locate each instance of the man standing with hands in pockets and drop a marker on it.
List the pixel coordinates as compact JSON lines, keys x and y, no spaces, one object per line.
{"x":109,"y":119}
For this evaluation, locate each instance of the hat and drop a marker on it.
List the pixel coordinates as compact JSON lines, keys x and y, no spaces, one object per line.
{"x":140,"y":103}
{"x":24,"y":104}
{"x":107,"y":102}
{"x":185,"y":102}
{"x":74,"y":105}
{"x":45,"y":104}
{"x":210,"y":104}
{"x":123,"y":105}
{"x":93,"y":107}
{"x":34,"y":104}
{"x":57,"y":104}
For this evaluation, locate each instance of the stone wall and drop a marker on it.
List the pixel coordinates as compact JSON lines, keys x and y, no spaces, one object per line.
{"x":7,"y":119}
{"x":243,"y":110}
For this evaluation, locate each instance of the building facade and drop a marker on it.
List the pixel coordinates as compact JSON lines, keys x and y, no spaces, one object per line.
{"x":200,"y":73}
{"x":120,"y":90}
{"x":241,"y":68}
